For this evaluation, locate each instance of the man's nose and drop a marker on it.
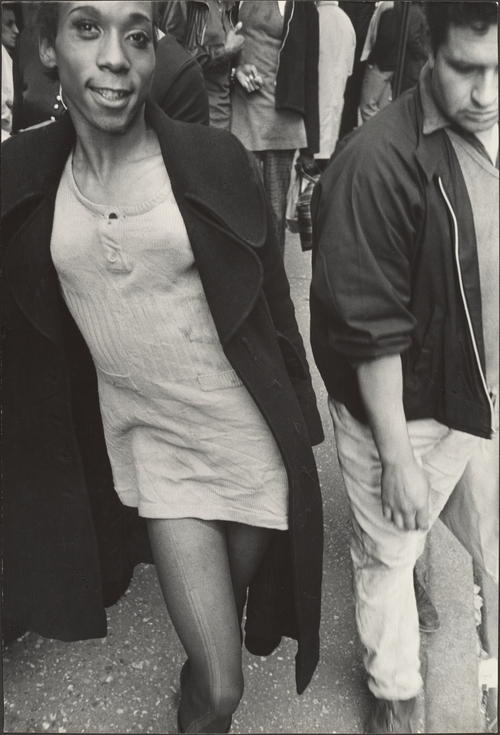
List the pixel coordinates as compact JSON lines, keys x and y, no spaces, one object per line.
{"x":485,"y":90}
{"x":111,"y":53}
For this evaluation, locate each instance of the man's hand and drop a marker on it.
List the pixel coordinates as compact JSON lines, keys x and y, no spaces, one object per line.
{"x":404,"y":485}
{"x":249,"y":78}
{"x":405,"y":495}
{"x":234,"y":42}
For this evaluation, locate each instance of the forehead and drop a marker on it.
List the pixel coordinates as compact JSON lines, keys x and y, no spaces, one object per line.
{"x":467,"y":45}
{"x":111,"y":10}
{"x":8,"y":16}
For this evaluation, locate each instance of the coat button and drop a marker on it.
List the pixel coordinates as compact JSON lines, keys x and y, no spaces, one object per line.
{"x":56,"y":419}
{"x":63,"y":457}
{"x":67,"y":493}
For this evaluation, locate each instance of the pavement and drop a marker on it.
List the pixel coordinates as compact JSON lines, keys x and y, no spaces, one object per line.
{"x":128,"y":682}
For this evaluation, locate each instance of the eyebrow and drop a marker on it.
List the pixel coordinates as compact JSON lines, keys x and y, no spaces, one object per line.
{"x":135,"y":17}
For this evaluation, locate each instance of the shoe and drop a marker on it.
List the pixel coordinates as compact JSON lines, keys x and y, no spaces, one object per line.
{"x":388,"y":716}
{"x":185,"y":672}
{"x":180,"y":730}
{"x":428,"y":620}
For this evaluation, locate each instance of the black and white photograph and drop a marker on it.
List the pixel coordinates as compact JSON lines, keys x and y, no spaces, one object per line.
{"x":250,"y":366}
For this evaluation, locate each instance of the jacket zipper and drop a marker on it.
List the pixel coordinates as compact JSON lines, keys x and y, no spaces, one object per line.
{"x":464,"y":301}
{"x":286,"y":36}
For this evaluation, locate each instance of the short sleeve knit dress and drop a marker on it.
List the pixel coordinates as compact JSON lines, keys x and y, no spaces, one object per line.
{"x":184,"y":437}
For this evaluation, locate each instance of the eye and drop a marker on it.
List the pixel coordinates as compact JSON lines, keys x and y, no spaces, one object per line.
{"x":140,"y":39}
{"x":87,"y":28}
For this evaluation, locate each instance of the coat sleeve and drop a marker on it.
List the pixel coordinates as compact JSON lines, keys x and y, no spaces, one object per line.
{"x":277,"y":294}
{"x":365,"y":211}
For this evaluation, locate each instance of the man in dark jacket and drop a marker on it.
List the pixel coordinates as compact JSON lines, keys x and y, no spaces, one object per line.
{"x":404,"y":306}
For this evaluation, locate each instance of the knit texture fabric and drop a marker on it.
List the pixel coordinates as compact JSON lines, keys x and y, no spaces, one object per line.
{"x":185,"y":438}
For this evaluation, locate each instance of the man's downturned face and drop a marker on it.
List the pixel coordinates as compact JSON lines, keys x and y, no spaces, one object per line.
{"x":465,"y":77}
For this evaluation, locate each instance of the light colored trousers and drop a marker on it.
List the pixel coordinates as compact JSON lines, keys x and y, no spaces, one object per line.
{"x":376,"y":92}
{"x":384,"y":557}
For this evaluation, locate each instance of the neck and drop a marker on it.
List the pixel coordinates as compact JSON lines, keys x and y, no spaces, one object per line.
{"x":489,"y":138}
{"x":101,"y":152}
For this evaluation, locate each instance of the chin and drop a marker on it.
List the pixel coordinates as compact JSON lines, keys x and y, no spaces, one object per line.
{"x":113,"y":127}
{"x":477,"y":126}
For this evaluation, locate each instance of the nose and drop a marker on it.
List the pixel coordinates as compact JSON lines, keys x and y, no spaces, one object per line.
{"x":485,"y":90}
{"x":112,"y":54}
{"x":15,"y":29}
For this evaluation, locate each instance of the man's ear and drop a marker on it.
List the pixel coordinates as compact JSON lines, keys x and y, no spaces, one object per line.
{"x":47,"y":54}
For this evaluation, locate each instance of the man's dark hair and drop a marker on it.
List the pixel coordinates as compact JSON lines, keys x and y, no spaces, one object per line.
{"x":441,"y":15}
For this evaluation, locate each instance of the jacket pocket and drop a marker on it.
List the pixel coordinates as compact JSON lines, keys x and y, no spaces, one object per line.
{"x":219,"y":381}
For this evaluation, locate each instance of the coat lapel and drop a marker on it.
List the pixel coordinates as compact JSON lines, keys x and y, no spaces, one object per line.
{"x":224,"y":212}
{"x":33,"y":174}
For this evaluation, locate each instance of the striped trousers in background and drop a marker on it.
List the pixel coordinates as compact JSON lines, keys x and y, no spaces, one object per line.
{"x":276,"y":169}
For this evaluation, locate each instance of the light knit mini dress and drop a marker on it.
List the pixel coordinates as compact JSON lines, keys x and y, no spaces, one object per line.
{"x":184,"y":437}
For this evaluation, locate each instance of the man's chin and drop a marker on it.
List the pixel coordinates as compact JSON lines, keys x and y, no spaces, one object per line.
{"x":477,"y":124}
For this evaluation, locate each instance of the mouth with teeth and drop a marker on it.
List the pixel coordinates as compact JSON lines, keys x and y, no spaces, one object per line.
{"x":111,"y":95}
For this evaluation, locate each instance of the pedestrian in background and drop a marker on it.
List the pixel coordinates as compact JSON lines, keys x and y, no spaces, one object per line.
{"x":10,"y":33}
{"x":337,"y":43}
{"x":209,"y":30}
{"x":360,"y":14}
{"x":147,"y":312}
{"x":380,"y":53}
{"x":404,"y":330}
{"x":275,"y":99}
{"x":417,"y":47}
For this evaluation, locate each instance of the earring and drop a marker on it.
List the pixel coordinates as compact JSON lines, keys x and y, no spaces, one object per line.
{"x":60,"y":97}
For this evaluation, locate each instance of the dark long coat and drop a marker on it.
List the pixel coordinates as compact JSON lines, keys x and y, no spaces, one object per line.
{"x":69,"y":544}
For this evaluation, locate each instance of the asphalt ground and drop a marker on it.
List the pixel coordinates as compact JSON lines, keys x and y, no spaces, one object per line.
{"x":128,"y":682}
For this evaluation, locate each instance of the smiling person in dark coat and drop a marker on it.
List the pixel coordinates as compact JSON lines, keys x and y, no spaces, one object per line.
{"x":146,"y":306}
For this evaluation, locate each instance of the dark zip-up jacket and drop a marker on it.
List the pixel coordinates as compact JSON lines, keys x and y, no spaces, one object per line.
{"x":66,"y":536}
{"x":396,"y":270}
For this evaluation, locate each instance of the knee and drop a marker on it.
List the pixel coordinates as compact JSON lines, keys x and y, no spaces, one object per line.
{"x":225,"y":701}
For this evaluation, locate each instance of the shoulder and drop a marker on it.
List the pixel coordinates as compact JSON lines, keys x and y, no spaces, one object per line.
{"x":171,"y":58}
{"x":30,"y":160}
{"x":214,"y":168}
{"x":385,"y":145}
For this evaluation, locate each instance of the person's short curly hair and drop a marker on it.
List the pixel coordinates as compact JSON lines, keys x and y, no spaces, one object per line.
{"x":46,"y":16}
{"x":441,"y":15}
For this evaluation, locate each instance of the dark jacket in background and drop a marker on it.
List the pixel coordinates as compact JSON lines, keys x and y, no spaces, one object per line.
{"x":417,"y":45}
{"x":68,"y":542}
{"x":385,"y":274}
{"x":178,"y":84}
{"x":297,"y":74}
{"x":360,"y":14}
{"x":385,"y":49}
